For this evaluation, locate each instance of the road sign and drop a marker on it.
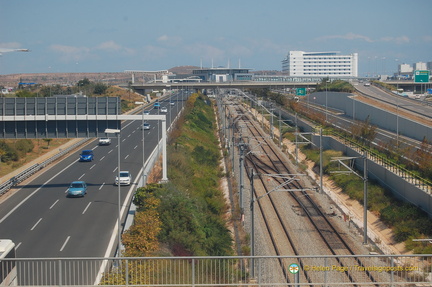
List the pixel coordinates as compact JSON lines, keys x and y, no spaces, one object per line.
{"x":421,"y":76}
{"x":301,"y":92}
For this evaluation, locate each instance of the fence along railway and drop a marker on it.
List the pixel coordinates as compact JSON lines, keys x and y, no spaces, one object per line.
{"x":278,"y":192}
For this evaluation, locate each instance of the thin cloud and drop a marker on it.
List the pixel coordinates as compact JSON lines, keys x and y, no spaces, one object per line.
{"x":69,"y":53}
{"x":427,"y":38}
{"x":169,"y":40}
{"x":348,"y":36}
{"x":10,"y":45}
{"x":109,"y":46}
{"x":396,"y":40}
{"x":205,"y":51}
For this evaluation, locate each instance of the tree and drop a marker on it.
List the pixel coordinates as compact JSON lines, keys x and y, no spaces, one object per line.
{"x":83,"y":82}
{"x":141,"y":238}
{"x":100,"y":88}
{"x":364,"y":131}
{"x":423,"y":157}
{"x":47,"y":141}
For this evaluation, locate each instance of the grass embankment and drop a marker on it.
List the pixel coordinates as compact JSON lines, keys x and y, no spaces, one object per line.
{"x":187,"y":215}
{"x":191,"y":208}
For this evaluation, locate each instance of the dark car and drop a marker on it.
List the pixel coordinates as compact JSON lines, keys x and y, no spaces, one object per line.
{"x":77,"y":189}
{"x":86,"y":155}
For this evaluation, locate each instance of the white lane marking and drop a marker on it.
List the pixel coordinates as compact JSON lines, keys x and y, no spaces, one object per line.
{"x":85,"y":209}
{"x":93,"y":166}
{"x":54,"y":204}
{"x":115,"y":169}
{"x":126,"y":157}
{"x":101,"y":186}
{"x":135,"y":147}
{"x":114,"y":234}
{"x":102,"y":158}
{"x":110,"y":151}
{"x":81,"y":176}
{"x":18,"y":245}
{"x":64,"y":244}
{"x":129,"y":135}
{"x":40,"y":219}
{"x":30,"y":195}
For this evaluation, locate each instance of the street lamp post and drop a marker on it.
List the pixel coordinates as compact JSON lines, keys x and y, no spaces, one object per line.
{"x":117,"y":132}
{"x":143,"y":153}
{"x":326,"y":107}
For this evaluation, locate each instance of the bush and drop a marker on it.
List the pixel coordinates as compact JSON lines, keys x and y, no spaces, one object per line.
{"x":7,"y":152}
{"x":24,"y":146}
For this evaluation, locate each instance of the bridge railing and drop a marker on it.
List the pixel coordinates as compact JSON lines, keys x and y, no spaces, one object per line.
{"x":312,"y":270}
{"x":411,"y":177}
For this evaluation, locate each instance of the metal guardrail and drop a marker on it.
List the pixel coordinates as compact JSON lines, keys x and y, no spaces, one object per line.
{"x":409,"y":176}
{"x":321,"y":270}
{"x":7,"y":185}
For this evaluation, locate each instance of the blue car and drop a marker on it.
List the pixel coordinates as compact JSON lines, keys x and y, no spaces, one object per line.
{"x":77,"y":189}
{"x":86,"y":155}
{"x":157,"y":105}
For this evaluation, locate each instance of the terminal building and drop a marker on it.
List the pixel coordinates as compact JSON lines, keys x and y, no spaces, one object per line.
{"x":220,"y":75}
{"x":320,"y":64}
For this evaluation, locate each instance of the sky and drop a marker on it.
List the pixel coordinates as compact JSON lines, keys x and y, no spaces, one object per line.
{"x":79,"y":36}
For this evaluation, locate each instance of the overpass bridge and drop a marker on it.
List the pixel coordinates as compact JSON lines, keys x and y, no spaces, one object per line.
{"x":143,"y":88}
{"x":272,"y":82}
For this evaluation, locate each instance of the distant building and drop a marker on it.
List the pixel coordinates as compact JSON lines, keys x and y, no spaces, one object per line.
{"x":220,"y":75}
{"x":405,"y":71}
{"x":320,"y":64}
{"x":420,"y":66}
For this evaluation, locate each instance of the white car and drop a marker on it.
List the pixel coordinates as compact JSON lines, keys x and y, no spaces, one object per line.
{"x":146,"y":112}
{"x":104,"y":141}
{"x":125,"y":178}
{"x":164,"y":110}
{"x":146,"y":126}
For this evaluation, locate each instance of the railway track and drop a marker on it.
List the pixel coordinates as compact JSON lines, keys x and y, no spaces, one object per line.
{"x":276,"y":186}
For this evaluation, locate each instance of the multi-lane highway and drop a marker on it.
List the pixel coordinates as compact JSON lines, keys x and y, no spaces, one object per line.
{"x":43,"y":222}
{"x":402,"y":103}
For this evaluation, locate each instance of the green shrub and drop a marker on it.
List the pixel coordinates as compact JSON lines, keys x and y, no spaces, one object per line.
{"x":24,"y":146}
{"x":8,"y":153}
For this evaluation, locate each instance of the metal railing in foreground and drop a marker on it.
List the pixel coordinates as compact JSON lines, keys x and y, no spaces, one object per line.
{"x":319,"y":270}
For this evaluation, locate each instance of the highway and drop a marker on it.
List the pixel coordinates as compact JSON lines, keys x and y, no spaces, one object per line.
{"x":397,"y":101}
{"x":44,"y":223}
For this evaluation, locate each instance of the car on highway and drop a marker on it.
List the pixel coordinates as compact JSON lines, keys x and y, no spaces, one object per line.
{"x":104,"y":141}
{"x":125,"y":178}
{"x":77,"y":189}
{"x":157,"y":105}
{"x":86,"y":155}
{"x":164,"y":110}
{"x":146,"y":126}
{"x":146,"y":112}
{"x":172,"y":103}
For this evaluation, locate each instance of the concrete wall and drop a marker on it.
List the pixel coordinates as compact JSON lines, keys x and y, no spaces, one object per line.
{"x":386,"y":120}
{"x":396,"y":184}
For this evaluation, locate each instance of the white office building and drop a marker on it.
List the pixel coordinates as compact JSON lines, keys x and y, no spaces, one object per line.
{"x":320,"y":64}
